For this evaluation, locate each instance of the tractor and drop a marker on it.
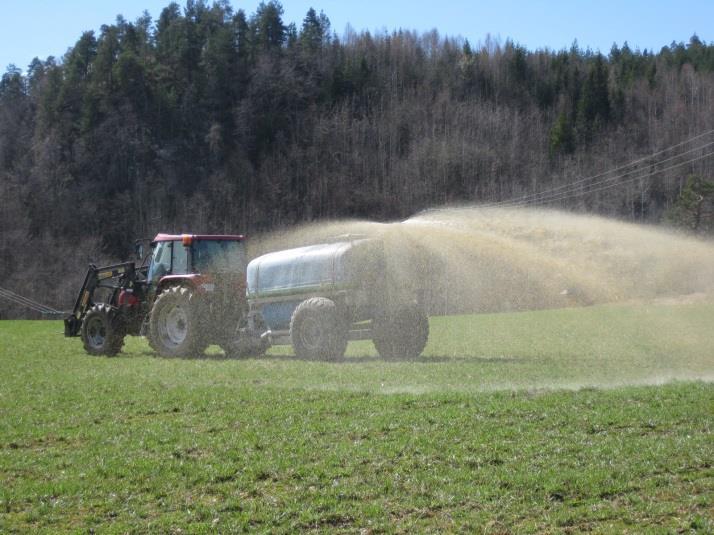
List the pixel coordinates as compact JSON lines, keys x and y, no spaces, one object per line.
{"x":187,"y":293}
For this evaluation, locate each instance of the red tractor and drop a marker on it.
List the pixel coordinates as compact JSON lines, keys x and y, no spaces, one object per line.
{"x":188,"y":293}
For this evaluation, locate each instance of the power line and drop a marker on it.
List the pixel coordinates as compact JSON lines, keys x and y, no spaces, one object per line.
{"x":27,"y":302}
{"x":11,"y":296}
{"x":572,"y":185}
{"x":565,"y":195}
{"x":634,"y":162}
{"x":22,"y":303}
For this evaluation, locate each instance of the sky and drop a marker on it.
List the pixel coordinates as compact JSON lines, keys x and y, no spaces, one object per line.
{"x":42,"y":28}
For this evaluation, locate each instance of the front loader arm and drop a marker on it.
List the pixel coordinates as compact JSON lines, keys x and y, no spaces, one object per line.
{"x":93,"y":280}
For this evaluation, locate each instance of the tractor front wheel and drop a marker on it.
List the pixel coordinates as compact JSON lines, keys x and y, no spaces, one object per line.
{"x":102,"y":331}
{"x":175,"y":328}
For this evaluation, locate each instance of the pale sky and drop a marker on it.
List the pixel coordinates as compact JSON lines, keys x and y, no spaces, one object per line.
{"x":41,"y":28}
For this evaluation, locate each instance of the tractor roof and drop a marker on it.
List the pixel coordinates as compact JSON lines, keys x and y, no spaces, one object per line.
{"x":222,"y":237}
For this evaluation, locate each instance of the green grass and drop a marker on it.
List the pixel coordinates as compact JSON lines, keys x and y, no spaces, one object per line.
{"x":503,"y":426}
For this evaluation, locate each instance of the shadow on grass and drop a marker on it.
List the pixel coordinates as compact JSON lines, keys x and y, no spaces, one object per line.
{"x":346,"y":360}
{"x":417,"y":360}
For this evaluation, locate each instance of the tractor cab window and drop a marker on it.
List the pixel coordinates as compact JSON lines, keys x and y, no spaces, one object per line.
{"x":219,"y":256}
{"x":180,"y":261}
{"x":170,"y":258}
{"x":161,"y":262}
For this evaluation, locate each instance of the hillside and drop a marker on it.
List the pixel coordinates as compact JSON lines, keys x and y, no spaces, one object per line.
{"x":215,"y":120}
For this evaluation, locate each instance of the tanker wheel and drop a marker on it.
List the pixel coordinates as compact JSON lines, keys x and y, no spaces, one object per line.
{"x":317,"y":330}
{"x":402,"y":334}
{"x":175,"y":324}
{"x":102,"y":331}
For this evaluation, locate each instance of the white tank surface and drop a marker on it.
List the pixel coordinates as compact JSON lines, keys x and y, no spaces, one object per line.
{"x":323,"y":267}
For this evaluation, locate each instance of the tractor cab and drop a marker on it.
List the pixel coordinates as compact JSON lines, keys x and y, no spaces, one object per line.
{"x":201,"y":259}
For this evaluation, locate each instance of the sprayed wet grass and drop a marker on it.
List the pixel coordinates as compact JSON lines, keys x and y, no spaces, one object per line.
{"x":602,"y":346}
{"x":482,"y":433}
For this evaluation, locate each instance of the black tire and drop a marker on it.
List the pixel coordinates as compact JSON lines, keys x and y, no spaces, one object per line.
{"x":102,"y":331}
{"x":401,"y":335}
{"x":318,"y":330}
{"x":175,"y":324}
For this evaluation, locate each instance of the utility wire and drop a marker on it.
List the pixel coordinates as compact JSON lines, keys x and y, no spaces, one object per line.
{"x":565,"y":195}
{"x":21,"y":300}
{"x":534,"y":196}
{"x":549,"y":195}
{"x":26,"y":305}
{"x":22,"y":303}
{"x":27,"y":299}
{"x":27,"y":302}
{"x":573,"y":186}
{"x":634,"y":162}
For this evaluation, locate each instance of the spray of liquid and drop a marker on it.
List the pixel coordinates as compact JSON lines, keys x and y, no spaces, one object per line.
{"x":475,"y":259}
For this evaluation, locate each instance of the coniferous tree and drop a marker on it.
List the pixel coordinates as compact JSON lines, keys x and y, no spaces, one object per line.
{"x":694,"y":207}
{"x":268,"y":30}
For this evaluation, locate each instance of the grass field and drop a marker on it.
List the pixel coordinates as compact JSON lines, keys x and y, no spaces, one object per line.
{"x":530,"y":422}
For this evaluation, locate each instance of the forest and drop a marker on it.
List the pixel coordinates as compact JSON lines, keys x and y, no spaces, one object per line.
{"x":213,"y":120}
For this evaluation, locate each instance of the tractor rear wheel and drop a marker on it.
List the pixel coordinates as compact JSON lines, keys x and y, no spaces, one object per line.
{"x":317,"y":330}
{"x":102,"y":331}
{"x":402,"y":334}
{"x":175,"y":324}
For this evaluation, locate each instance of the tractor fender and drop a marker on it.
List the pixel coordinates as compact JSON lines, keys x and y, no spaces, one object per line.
{"x":191,"y":281}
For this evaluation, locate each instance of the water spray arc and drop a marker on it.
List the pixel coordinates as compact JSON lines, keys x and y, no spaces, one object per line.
{"x":490,"y":259}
